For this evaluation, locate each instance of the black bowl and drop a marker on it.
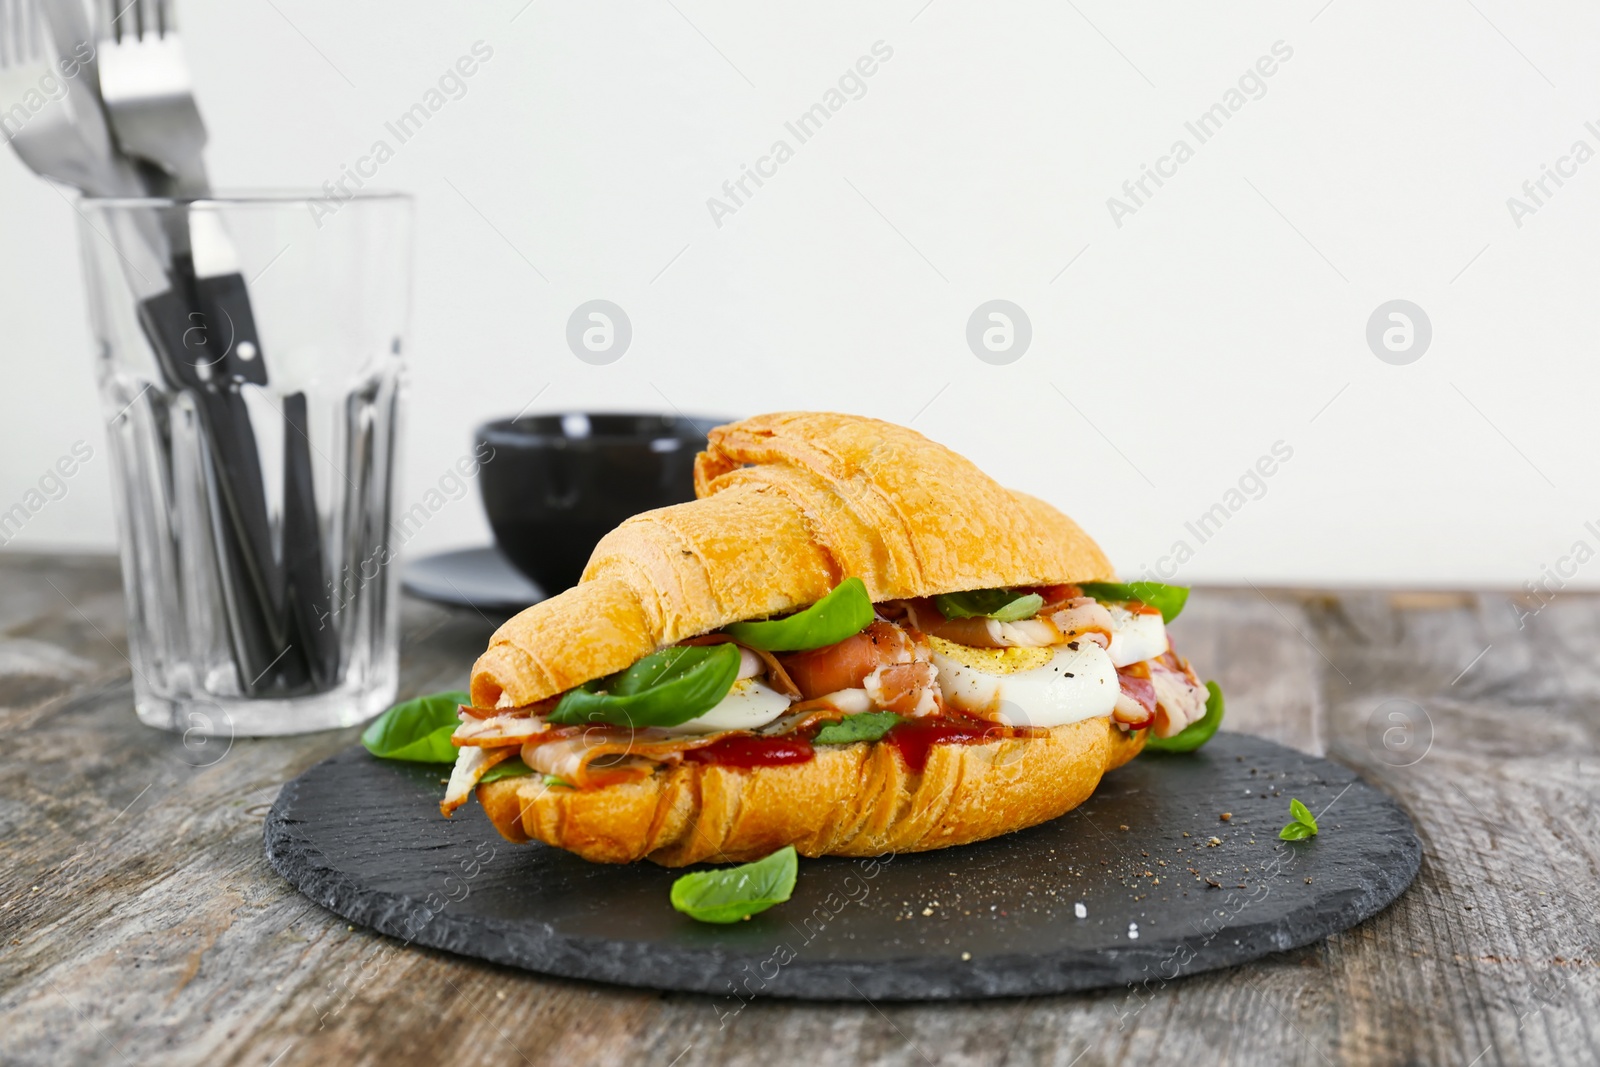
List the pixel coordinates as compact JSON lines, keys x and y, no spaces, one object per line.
{"x":555,"y":484}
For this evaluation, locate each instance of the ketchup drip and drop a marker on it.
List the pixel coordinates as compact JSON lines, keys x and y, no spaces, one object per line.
{"x":750,"y":751}
{"x":916,"y":739}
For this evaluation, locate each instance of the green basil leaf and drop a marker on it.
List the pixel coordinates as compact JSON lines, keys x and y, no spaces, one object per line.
{"x":845,"y":611}
{"x":552,"y":782}
{"x":1001,"y":604}
{"x":867,"y":726}
{"x":1195,"y":734}
{"x":418,"y":730}
{"x":511,"y":768}
{"x":1167,"y":599}
{"x":1296,"y":831}
{"x":1302,"y":814}
{"x":734,"y":893}
{"x":665,"y":688}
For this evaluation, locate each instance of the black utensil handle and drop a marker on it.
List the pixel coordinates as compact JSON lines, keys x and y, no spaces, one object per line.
{"x":307,"y":589}
{"x":225,"y":307}
{"x":204,"y":335}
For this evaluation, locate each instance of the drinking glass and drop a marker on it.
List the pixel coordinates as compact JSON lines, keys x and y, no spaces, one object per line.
{"x":248,"y":353}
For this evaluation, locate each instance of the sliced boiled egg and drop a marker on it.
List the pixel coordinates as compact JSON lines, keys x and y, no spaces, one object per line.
{"x":1135,"y":637}
{"x":749,"y":704}
{"x":1044,"y":687}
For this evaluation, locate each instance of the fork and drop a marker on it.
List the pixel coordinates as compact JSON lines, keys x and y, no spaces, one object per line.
{"x":150,"y":105}
{"x":45,"y":52}
{"x":149,"y":96}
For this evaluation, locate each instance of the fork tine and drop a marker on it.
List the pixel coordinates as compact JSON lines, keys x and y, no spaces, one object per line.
{"x":30,"y":42}
{"x":121,"y":20}
{"x":21,"y":32}
{"x":8,"y":32}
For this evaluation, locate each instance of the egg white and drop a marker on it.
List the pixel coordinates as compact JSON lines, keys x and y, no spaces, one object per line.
{"x":1135,"y":638}
{"x":748,"y":705}
{"x":1073,"y":685}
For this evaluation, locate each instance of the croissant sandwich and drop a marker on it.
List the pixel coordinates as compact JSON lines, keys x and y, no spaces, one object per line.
{"x":853,"y":642}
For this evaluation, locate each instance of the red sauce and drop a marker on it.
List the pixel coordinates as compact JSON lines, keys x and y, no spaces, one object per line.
{"x":751,"y":751}
{"x":916,"y":739}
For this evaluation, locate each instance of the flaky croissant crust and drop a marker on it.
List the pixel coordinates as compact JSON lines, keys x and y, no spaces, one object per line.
{"x":851,"y":800}
{"x":789,"y":504}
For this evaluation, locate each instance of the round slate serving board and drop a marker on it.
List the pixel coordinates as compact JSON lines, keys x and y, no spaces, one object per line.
{"x":1166,"y":886}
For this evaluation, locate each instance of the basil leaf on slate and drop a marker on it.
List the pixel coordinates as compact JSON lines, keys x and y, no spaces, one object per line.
{"x":665,"y":688}
{"x":844,"y":612}
{"x":1296,"y":831}
{"x":866,"y":726}
{"x":1195,"y":734}
{"x":1000,"y":604}
{"x":1302,"y":813}
{"x":511,"y":768}
{"x":418,"y":730}
{"x":1304,"y":824}
{"x":1167,"y":599}
{"x":734,"y":893}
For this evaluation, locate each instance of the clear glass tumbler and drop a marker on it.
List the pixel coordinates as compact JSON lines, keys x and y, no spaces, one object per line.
{"x":248,"y":351}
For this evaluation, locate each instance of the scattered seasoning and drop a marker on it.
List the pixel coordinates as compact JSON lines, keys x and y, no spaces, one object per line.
{"x":1214,"y":842}
{"x":1124,"y":826}
{"x":966,"y":955}
{"x":1186,"y":833}
{"x":1133,"y":931}
{"x":1080,"y":910}
{"x":1213,"y":884}
{"x":1225,"y":816}
{"x":1308,"y":882}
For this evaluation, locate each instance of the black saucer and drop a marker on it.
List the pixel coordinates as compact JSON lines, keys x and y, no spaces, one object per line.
{"x":478,"y":578}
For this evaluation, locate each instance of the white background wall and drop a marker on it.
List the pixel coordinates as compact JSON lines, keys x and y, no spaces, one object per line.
{"x":1227,"y":314}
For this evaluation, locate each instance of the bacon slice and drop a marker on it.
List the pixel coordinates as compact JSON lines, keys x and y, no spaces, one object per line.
{"x":1083,"y":616}
{"x":890,"y":661}
{"x":1180,"y":699}
{"x":1136,"y":704}
{"x":1063,"y":619}
{"x":471,"y":763}
{"x":597,"y":756}
{"x":499,"y":730}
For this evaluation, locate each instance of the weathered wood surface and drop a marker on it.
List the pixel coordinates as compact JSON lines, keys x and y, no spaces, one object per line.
{"x":139,"y":922}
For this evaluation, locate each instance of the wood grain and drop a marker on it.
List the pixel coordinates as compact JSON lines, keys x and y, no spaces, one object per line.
{"x":140,"y":923}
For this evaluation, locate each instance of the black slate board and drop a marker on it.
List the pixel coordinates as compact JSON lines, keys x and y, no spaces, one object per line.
{"x":364,"y":837}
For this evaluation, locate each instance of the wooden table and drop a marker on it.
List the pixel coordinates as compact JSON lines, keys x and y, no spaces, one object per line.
{"x":139,"y":922}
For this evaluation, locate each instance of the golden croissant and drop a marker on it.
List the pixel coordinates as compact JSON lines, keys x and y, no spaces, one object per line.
{"x":853,"y":642}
